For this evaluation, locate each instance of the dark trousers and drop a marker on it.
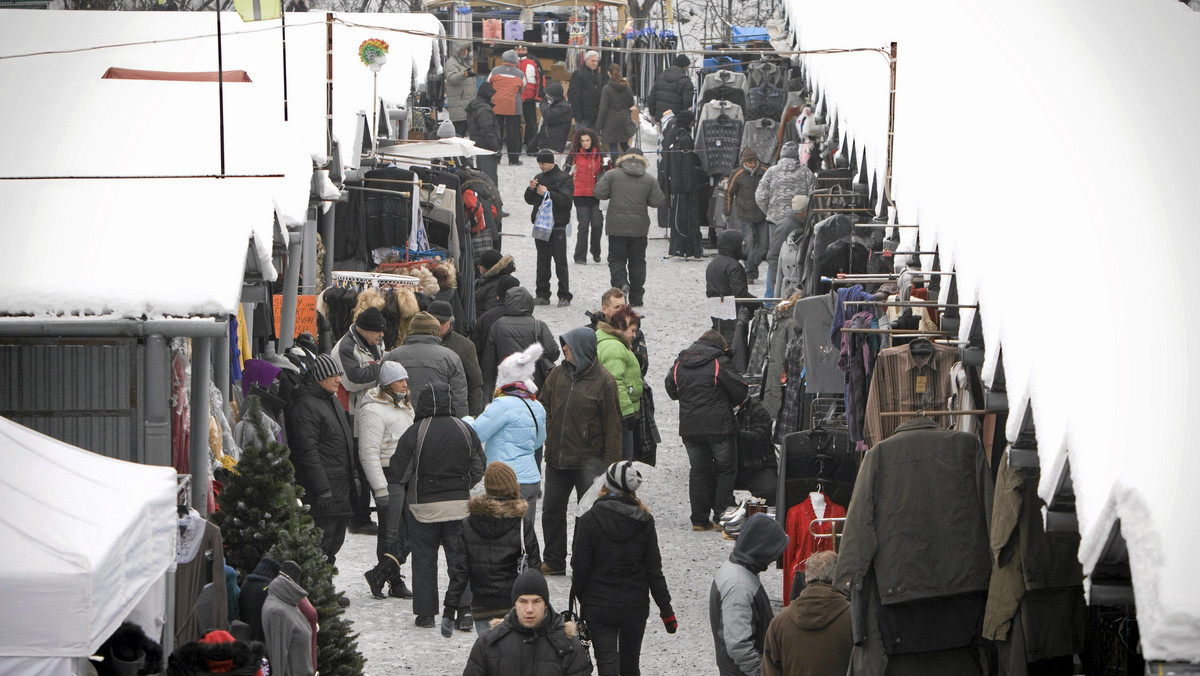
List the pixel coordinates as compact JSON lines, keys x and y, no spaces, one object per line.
{"x":426,"y":538}
{"x":591,"y":229}
{"x":333,"y":534}
{"x":757,"y":235}
{"x":556,"y":250}
{"x":615,"y":150}
{"x":393,"y":526}
{"x":510,"y":135}
{"x":618,"y":646}
{"x":489,"y":165}
{"x":627,"y":265}
{"x":710,"y":480}
{"x":360,"y":490}
{"x":531,"y":125}
{"x":460,"y":128}
{"x":762,"y":483}
{"x":559,"y":484}
{"x":627,"y":427}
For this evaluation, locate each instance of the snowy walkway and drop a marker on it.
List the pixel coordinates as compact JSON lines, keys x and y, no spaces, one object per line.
{"x":674,"y":317}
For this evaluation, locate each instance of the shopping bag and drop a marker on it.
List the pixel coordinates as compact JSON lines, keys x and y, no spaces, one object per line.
{"x":543,"y":223}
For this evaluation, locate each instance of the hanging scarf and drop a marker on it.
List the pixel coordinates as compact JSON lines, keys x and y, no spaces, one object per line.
{"x":515,"y":390}
{"x":188,"y":544}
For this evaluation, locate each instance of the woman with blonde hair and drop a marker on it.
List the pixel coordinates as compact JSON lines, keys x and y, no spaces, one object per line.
{"x":616,"y":566}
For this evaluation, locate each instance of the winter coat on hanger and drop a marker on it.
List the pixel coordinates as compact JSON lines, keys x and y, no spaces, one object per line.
{"x":288,"y":636}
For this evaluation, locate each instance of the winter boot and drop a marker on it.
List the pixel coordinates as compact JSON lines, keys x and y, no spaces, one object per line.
{"x":384,"y":571}
{"x":398,"y":590}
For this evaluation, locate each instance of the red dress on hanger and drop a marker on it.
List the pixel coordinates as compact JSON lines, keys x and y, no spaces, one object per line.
{"x":801,"y":543}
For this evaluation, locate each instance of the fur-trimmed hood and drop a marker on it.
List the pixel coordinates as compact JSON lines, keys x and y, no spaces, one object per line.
{"x":605,"y":327}
{"x":502,"y":266}
{"x":569,"y":627}
{"x":499,"y":508}
{"x":633,"y":164}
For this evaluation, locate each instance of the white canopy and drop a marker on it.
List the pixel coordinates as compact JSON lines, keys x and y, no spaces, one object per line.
{"x":427,"y":150}
{"x":84,"y":537}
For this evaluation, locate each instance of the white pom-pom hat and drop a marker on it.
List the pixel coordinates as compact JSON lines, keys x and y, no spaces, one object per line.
{"x":518,"y":367}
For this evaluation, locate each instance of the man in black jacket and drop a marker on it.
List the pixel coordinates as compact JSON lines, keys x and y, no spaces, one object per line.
{"x":484,"y":131}
{"x":758,"y":464}
{"x":321,"y":440}
{"x":440,"y":458}
{"x":673,"y":89}
{"x":707,"y":388}
{"x":559,"y":185}
{"x":584,"y":92}
{"x":724,"y":280}
{"x":516,"y":330}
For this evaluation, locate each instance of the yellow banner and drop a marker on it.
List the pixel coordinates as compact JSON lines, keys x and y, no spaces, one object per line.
{"x":258,"y":10}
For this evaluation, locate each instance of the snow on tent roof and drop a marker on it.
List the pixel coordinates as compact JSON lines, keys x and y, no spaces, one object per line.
{"x":1048,"y":150}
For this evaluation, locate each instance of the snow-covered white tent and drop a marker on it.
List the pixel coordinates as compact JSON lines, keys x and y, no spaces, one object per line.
{"x":1048,"y":150}
{"x":84,"y":538}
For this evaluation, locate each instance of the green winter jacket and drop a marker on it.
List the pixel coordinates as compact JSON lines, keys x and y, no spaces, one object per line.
{"x":615,"y":356}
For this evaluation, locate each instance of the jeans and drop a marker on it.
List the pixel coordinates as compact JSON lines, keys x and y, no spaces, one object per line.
{"x":618,"y":646}
{"x":591,"y":229}
{"x":333,"y":534}
{"x":531,"y":125}
{"x":556,"y":250}
{"x":757,"y":235}
{"x":770,"y":290}
{"x":530,"y":494}
{"x":426,"y":538}
{"x":393,"y":525}
{"x":627,"y":264}
{"x":616,"y":149}
{"x":559,"y":484}
{"x":510,"y":135}
{"x":710,"y":480}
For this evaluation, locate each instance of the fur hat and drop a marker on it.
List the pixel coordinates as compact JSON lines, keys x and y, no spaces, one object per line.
{"x":545,"y":156}
{"x":441,"y":311}
{"x":518,"y":367}
{"x":531,"y":583}
{"x":622,"y":477}
{"x":324,"y":367}
{"x":426,"y":324}
{"x":370,"y":319}
{"x":500,"y":481}
{"x":799,"y":203}
{"x":390,"y":372}
{"x":790,"y":149}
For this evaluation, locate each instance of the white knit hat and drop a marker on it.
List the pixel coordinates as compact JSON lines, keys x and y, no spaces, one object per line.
{"x":518,"y":367}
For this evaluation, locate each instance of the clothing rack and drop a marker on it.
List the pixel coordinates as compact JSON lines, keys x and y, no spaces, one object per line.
{"x":407,"y":194}
{"x":836,"y":535}
{"x":883,"y":225}
{"x":909,"y":303}
{"x":902,"y":332}
{"x":375,"y":279}
{"x":901,"y":414}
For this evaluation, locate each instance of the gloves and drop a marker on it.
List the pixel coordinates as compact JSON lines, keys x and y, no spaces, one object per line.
{"x":671,"y":623}
{"x":381,"y":501}
{"x":325,"y":501}
{"x":447,"y":625}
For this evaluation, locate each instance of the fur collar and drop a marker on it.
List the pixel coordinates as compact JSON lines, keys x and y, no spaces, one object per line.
{"x":500,"y":508}
{"x":606,"y":328}
{"x":505,"y":261}
{"x":631,"y":156}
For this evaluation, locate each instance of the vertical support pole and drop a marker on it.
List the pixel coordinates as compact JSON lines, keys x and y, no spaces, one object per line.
{"x":198,"y":448}
{"x":283,"y":34}
{"x":168,"y":637}
{"x":308,"y":258}
{"x":157,"y":434}
{"x":329,"y":83}
{"x":327,"y":237}
{"x":220,"y":362}
{"x":887,"y":182}
{"x":291,"y":283}
{"x":220,"y":87}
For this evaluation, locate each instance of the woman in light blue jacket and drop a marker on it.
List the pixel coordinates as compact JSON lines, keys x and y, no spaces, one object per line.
{"x":513,"y":426}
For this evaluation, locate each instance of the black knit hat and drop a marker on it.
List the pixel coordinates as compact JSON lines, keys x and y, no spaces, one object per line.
{"x":531,"y":583}
{"x":370,"y":319}
{"x":545,"y":156}
{"x":682,"y":60}
{"x":324,"y":367}
{"x":489,"y":258}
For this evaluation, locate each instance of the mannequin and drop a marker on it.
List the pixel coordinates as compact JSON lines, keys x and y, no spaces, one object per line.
{"x":818,"y":503}
{"x":287,"y":632}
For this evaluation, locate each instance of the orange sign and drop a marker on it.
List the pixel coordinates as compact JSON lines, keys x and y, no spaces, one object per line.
{"x":306,"y":314}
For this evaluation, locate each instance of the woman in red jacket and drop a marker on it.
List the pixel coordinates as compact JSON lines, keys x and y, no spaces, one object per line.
{"x":586,"y":164}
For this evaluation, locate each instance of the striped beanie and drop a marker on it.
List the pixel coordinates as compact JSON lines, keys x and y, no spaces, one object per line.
{"x":324,"y":367}
{"x":622,"y":477}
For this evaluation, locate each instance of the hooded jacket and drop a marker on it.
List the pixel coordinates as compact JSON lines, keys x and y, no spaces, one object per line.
{"x":360,"y":364}
{"x":549,"y":649}
{"x":428,"y":361}
{"x":561,"y":188}
{"x":460,"y":89}
{"x":465,"y":349}
{"x":515,"y":331}
{"x":451,"y":460}
{"x":811,"y":637}
{"x":616,"y":356}
{"x":511,"y":428}
{"x":321,"y":441}
{"x":672,"y":90}
{"x":780,"y":184}
{"x":743,"y":184}
{"x":508,"y":80}
{"x":613,"y":121}
{"x":556,"y":118}
{"x":583,"y":412}
{"x":584,"y":93}
{"x":615,"y":561}
{"x":488,"y":552}
{"x":489,"y":282}
{"x":707,"y":387}
{"x":630,"y":191}
{"x":288,"y":635}
{"x":482,"y":127}
{"x":738,"y":607}
{"x":725,"y":277}
{"x":380,"y":422}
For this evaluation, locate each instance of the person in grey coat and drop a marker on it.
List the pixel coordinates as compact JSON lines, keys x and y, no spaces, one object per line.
{"x":428,"y":361}
{"x":465,"y":349}
{"x":460,"y":87}
{"x":782,"y":182}
{"x":738,"y":607}
{"x":631,"y":192}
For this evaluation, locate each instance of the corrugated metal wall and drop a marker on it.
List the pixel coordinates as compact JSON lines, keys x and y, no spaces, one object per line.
{"x":89,"y":393}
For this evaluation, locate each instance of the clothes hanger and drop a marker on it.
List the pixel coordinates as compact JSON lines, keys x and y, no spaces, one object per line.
{"x":920,"y":347}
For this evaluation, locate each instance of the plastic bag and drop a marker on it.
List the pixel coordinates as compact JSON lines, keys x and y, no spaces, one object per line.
{"x":543,"y":223}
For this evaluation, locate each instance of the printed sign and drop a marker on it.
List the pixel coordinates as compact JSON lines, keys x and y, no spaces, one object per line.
{"x":306,"y":314}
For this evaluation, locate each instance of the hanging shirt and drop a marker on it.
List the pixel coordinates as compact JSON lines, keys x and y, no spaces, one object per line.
{"x":802,"y":543}
{"x":906,"y":382}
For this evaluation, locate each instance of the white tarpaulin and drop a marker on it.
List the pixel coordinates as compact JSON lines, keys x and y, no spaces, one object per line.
{"x":84,"y":538}
{"x":428,"y":150}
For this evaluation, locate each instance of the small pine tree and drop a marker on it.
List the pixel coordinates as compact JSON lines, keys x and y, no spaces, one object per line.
{"x":261,"y":513}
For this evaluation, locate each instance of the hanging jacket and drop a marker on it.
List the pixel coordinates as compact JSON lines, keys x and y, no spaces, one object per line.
{"x":780,"y":184}
{"x":739,"y":609}
{"x":703,"y":381}
{"x":679,"y":170}
{"x":511,"y":428}
{"x":672,"y":90}
{"x":556,"y":119}
{"x":630,"y":191}
{"x":723,"y":78}
{"x":584,"y":93}
{"x":765,"y":100}
{"x":587,"y":168}
{"x":616,"y":563}
{"x":516,"y":330}
{"x":765,"y":71}
{"x":743,"y":184}
{"x":617,"y":358}
{"x":481,"y":119}
{"x":460,"y":89}
{"x":321,"y":441}
{"x":734,"y":95}
{"x":562,"y":193}
{"x":762,"y":135}
{"x":582,"y":408}
{"x":488,"y":551}
{"x":613,"y":120}
{"x":381,"y":422}
{"x":714,"y":109}
{"x":508,"y":80}
{"x":451,"y":461}
{"x":718,"y":144}
{"x":782,"y":334}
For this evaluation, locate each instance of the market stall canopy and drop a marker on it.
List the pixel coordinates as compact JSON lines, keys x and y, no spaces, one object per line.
{"x":522,"y":4}
{"x":1058,"y":180}
{"x":84,"y":538}
{"x":428,"y":150}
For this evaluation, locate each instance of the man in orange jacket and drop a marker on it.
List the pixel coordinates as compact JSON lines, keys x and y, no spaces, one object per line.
{"x":531,"y":95}
{"x":508,"y":81}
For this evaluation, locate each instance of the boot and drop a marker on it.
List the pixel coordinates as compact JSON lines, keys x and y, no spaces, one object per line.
{"x":381,"y":573}
{"x":398,"y":590}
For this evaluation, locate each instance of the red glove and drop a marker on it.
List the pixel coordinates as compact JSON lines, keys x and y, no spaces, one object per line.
{"x":671,"y":624}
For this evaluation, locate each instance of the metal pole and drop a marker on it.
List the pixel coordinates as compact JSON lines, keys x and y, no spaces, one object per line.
{"x":329,"y":83}
{"x":887,"y":180}
{"x":291,"y":282}
{"x":327,"y":237}
{"x":220,"y":87}
{"x":157,"y":429}
{"x":198,"y":452}
{"x":283,"y":30}
{"x":220,"y":360}
{"x":308,"y":259}
{"x":168,"y":637}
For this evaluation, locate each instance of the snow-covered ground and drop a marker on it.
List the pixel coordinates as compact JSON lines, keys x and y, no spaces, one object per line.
{"x":673,"y":318}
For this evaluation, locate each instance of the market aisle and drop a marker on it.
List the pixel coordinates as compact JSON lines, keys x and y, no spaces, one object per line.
{"x":674,"y":316}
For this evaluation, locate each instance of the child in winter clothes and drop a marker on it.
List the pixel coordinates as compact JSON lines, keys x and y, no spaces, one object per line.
{"x":616,"y":562}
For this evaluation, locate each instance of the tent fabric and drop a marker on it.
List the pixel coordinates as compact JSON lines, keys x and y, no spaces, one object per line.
{"x":84,"y":539}
{"x":115,"y":73}
{"x":749,"y":34}
{"x":445,"y":147}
